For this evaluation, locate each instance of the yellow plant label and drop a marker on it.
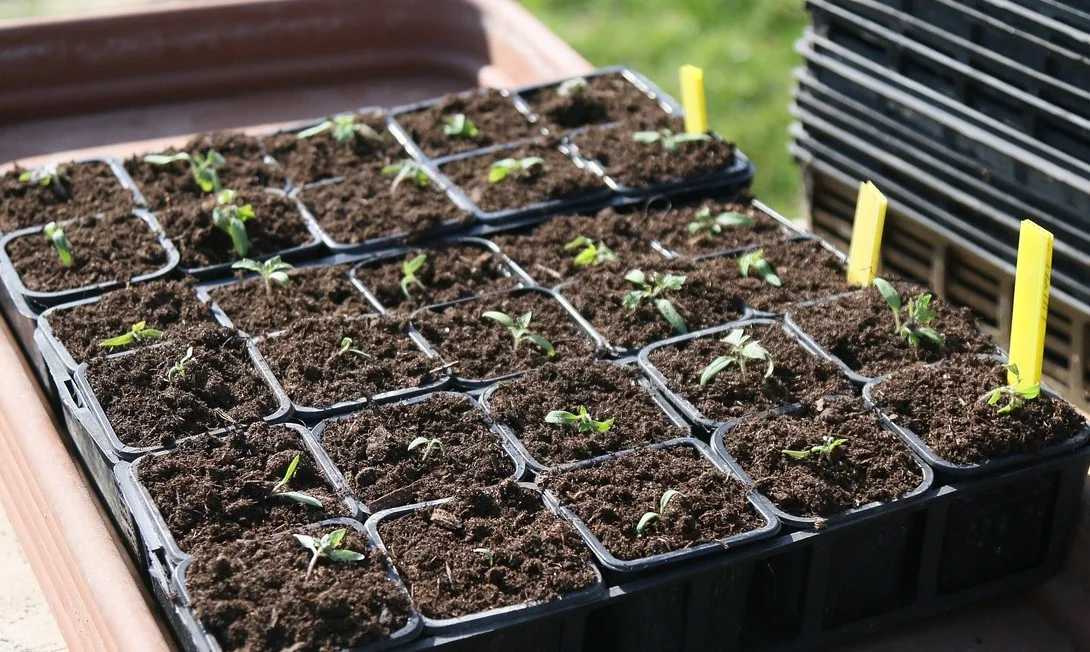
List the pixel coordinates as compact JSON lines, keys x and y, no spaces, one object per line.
{"x":692,"y":97}
{"x":870,"y":219}
{"x":1032,"y":280}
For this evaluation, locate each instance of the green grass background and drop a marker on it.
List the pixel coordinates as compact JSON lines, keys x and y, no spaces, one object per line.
{"x":744,"y":46}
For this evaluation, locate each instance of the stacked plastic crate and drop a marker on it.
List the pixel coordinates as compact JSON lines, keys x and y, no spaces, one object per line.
{"x":970,"y":115}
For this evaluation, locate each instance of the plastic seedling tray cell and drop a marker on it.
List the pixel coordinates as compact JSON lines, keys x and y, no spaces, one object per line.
{"x":174,"y":598}
{"x":324,"y":161}
{"x":590,"y":191}
{"x":758,"y":211}
{"x":498,"y":617}
{"x":42,"y":300}
{"x":638,"y":566}
{"x":819,"y":350}
{"x":650,"y":97}
{"x":670,"y":415}
{"x":512,"y":273}
{"x":518,"y":465}
{"x":947,"y":469}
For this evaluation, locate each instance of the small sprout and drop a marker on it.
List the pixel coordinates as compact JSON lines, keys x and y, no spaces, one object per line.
{"x":705,"y":224}
{"x":582,"y":420}
{"x":1013,"y":395}
{"x":55,"y":234}
{"x":659,"y":514}
{"x":489,"y":556}
{"x":345,"y":128}
{"x":742,"y":348}
{"x":755,"y":261}
{"x":345,"y":346}
{"x":46,"y":175}
{"x":920,"y":315}
{"x":513,"y":167}
{"x":574,"y":86}
{"x":409,"y":268}
{"x":204,"y":168}
{"x":231,"y":218}
{"x":590,"y":254}
{"x":652,"y":289}
{"x":669,"y":140}
{"x":282,"y":488}
{"x":520,"y":329}
{"x":177,"y":370}
{"x":329,"y":546}
{"x":428,"y":445}
{"x":406,"y":169}
{"x":826,"y":449}
{"x":272,"y":271}
{"x":459,"y":126}
{"x":139,"y":332}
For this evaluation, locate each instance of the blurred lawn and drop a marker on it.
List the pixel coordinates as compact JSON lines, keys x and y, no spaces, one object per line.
{"x":744,"y":46}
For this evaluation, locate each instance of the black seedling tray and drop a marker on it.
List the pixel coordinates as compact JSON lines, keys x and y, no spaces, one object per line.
{"x":1062,"y":12}
{"x":817,"y":349}
{"x":22,"y":320}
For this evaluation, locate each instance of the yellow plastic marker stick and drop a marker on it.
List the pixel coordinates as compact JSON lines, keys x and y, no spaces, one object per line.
{"x":870,"y":219}
{"x":692,"y":97}
{"x":1031,"y":284}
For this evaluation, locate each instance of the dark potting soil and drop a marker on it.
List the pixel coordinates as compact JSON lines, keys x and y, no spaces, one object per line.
{"x":670,"y":228}
{"x":859,"y":329}
{"x":494,"y":114}
{"x":481,"y":348}
{"x":557,"y":178}
{"x":606,"y":390}
{"x":85,"y":189}
{"x":306,"y":160}
{"x":449,"y":273}
{"x":612,"y":497}
{"x":704,"y":300}
{"x":168,"y":306}
{"x":308,"y":361}
{"x":277,"y":225}
{"x":117,"y":247}
{"x":173,"y":184}
{"x":254,"y":595}
{"x":797,"y":376}
{"x":541,"y":252}
{"x":219,"y":489}
{"x":945,"y":405}
{"x":371,"y":450}
{"x":535,"y":555}
{"x":639,"y":165}
{"x":606,"y":98}
{"x":221,"y":387}
{"x":364,"y":207}
{"x":874,"y":465}
{"x":806,"y":269}
{"x":314,"y":291}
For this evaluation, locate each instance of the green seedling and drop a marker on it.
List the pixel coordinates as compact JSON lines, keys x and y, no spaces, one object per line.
{"x":742,"y":349}
{"x":177,"y":370}
{"x":459,"y":126}
{"x":513,"y":167}
{"x":574,"y":86}
{"x":582,"y":420}
{"x":344,"y":128}
{"x":272,"y":271}
{"x":590,"y":254}
{"x":656,"y":515}
{"x":668,"y":139}
{"x":520,"y":329}
{"x":409,"y":268}
{"x":139,"y":332}
{"x":329,"y":546}
{"x":428,"y":445}
{"x":46,"y":175}
{"x":489,"y":556}
{"x":345,"y":348}
{"x":406,"y":169}
{"x":282,"y":488}
{"x":55,"y":234}
{"x":1015,"y":397}
{"x":652,"y":289}
{"x":916,"y":328}
{"x":231,"y":218}
{"x":827,"y":448}
{"x":755,"y":262}
{"x":707,"y":225}
{"x":204,"y":168}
